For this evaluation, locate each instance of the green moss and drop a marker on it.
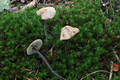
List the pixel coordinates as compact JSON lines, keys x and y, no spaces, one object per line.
{"x":90,"y":50}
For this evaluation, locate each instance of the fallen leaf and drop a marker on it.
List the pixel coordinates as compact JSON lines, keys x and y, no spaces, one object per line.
{"x":51,"y":51}
{"x":30,"y":72}
{"x":31,"y":4}
{"x":115,"y":67}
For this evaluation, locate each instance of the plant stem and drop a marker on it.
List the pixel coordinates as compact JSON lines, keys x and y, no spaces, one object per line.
{"x":46,"y":62}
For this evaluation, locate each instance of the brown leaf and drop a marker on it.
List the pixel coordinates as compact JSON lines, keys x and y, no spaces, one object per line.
{"x":30,"y":72}
{"x":51,"y":51}
{"x":115,"y":67}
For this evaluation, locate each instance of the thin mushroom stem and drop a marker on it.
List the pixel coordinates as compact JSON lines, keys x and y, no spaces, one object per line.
{"x":67,"y":53}
{"x":46,"y":62}
{"x":44,"y":2}
{"x":45,"y":29}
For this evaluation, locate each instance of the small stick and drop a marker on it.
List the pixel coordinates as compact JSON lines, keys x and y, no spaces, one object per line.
{"x":111,"y":71}
{"x":112,"y":10}
{"x":115,"y":53}
{"x":93,"y":73}
{"x":117,"y":57}
{"x":15,"y":9}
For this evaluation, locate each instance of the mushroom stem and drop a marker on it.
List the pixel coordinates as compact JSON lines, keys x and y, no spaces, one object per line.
{"x":46,"y":62}
{"x":44,"y":2}
{"x":0,"y":12}
{"x":67,"y":53}
{"x":45,"y":29}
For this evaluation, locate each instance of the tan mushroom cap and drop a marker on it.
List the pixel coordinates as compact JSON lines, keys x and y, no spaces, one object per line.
{"x":46,"y":13}
{"x":68,"y":32}
{"x":35,"y":44}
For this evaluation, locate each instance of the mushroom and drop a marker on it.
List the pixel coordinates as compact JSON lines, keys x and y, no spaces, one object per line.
{"x":33,"y":48}
{"x":67,"y":33}
{"x":46,"y":13}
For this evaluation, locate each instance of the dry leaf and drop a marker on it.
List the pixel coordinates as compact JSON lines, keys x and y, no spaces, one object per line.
{"x":115,"y":67}
{"x":31,"y":4}
{"x":68,"y":32}
{"x":51,"y":51}
{"x":30,"y":72}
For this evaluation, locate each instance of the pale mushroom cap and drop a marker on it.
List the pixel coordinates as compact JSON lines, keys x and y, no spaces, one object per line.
{"x":36,"y":44}
{"x":68,"y":32}
{"x":46,"y":13}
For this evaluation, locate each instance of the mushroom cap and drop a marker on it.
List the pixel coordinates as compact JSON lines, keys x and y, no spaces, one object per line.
{"x":46,"y":13}
{"x":36,"y":44}
{"x":68,"y":32}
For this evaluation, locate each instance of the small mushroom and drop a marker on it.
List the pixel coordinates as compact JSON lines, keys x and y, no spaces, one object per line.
{"x":35,"y":45}
{"x":34,"y":48}
{"x":46,"y":13}
{"x":67,"y":33}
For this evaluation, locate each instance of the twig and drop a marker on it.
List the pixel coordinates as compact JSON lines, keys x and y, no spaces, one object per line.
{"x":112,"y":10}
{"x":14,"y":9}
{"x":111,"y":71}
{"x":36,"y":73}
{"x":117,"y":57}
{"x":115,"y":53}
{"x":116,"y":5}
{"x":93,"y":73}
